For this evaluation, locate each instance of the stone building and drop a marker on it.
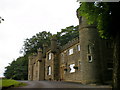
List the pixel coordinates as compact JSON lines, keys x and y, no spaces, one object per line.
{"x":86,"y":59}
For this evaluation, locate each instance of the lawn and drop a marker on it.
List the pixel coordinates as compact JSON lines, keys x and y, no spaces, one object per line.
{"x":10,"y":82}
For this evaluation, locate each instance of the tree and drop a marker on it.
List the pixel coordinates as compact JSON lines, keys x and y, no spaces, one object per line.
{"x":67,"y":34}
{"x":31,"y":45}
{"x":17,"y":69}
{"x":106,"y":16}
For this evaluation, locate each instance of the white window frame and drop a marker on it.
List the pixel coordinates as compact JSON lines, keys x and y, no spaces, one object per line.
{"x":49,"y":70}
{"x":72,"y":70}
{"x":49,"y":56}
{"x":71,"y":51}
{"x":78,"y":47}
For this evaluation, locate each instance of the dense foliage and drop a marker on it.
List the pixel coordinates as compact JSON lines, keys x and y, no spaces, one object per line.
{"x":31,"y":45}
{"x":17,"y":69}
{"x":103,"y":14}
{"x":67,"y":34}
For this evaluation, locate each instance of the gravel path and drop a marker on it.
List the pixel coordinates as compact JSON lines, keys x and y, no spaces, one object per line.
{"x":58,"y":84}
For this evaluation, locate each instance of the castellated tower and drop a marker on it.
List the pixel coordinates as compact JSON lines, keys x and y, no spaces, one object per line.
{"x":90,"y":52}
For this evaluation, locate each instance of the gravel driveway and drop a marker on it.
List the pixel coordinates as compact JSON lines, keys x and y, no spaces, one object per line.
{"x":58,"y":84}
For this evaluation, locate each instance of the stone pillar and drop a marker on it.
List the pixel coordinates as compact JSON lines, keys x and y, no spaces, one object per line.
{"x":55,"y":51}
{"x":41,"y":65}
{"x":44,"y":50}
{"x":40,"y":55}
{"x":30,"y":68}
{"x":34,"y":66}
{"x":56,"y":67}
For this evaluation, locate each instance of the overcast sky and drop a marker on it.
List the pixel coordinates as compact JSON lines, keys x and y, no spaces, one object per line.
{"x":25,"y":18}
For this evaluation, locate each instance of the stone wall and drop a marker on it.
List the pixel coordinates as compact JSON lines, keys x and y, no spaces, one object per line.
{"x":67,"y":59}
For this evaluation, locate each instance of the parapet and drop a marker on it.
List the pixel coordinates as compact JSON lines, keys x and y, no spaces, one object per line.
{"x":69,"y":44}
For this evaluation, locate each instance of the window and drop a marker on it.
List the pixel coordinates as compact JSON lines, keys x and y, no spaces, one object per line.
{"x":49,"y":56}
{"x":49,"y":70}
{"x":78,"y":47}
{"x":90,"y":58}
{"x":70,"y":51}
{"x":72,"y":68}
{"x":89,"y":49}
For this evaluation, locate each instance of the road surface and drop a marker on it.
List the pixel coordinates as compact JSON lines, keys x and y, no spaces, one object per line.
{"x":58,"y":84}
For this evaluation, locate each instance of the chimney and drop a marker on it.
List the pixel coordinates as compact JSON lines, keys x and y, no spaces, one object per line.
{"x":54,"y":44}
{"x":44,"y":50}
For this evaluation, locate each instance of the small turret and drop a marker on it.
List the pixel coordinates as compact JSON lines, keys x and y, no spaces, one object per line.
{"x":39,"y":55}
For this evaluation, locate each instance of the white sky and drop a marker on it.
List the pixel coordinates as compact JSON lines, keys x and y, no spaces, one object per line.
{"x":25,"y":18}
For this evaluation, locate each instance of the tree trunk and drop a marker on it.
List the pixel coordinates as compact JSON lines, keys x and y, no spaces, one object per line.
{"x":116,"y":62}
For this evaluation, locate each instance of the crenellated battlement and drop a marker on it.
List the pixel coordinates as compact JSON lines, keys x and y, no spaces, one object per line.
{"x":69,"y":44}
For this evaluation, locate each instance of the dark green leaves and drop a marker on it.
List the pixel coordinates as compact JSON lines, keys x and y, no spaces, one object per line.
{"x":67,"y":34}
{"x":31,"y":45}
{"x":18,"y":69}
{"x":102,"y":14}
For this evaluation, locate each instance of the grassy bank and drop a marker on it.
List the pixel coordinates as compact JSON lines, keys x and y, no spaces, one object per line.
{"x":10,"y":83}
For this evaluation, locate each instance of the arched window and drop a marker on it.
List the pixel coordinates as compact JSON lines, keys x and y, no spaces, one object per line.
{"x":49,"y":56}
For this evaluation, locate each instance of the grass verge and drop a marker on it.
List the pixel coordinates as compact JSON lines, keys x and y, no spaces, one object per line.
{"x":11,"y":83}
